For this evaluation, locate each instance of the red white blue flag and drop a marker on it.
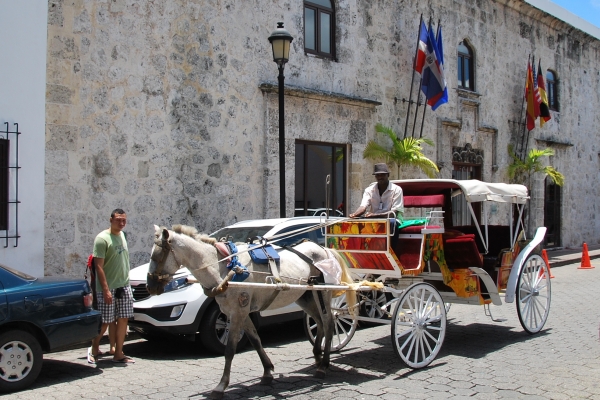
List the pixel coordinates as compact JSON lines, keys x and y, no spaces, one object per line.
{"x":433,"y":82}
{"x":440,"y":48}
{"x":422,"y":48}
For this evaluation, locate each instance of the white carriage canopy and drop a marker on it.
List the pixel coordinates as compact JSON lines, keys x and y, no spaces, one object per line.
{"x":473,"y":189}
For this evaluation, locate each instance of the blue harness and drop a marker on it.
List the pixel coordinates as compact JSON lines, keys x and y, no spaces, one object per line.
{"x":235,"y":262}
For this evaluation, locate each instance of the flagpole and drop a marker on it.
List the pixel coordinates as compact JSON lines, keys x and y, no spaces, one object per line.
{"x":533,"y":95}
{"x":523,"y":109}
{"x":417,"y":110}
{"x":412,"y":81}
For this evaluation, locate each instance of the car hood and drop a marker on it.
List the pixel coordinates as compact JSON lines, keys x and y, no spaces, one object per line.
{"x":140,"y":274}
{"x":57,"y":281}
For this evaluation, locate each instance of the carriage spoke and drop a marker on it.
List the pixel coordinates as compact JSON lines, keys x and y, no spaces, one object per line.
{"x":423,"y":343}
{"x":412,"y":346}
{"x":338,"y":327}
{"x":405,"y":323}
{"x":434,"y":328}
{"x":415,"y":350}
{"x":431,"y":336}
{"x":421,"y":303}
{"x":427,"y":341}
{"x":526,"y":298}
{"x":403,"y":333}
{"x":408,"y":340}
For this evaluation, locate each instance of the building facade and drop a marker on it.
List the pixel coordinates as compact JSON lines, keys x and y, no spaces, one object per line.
{"x":169,"y":110}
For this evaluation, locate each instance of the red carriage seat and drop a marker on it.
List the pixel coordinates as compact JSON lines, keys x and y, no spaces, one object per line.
{"x":429,"y":201}
{"x":462,"y":252}
{"x":408,"y":249}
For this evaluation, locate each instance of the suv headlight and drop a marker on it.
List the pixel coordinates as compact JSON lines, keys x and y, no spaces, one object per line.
{"x":177,"y":284}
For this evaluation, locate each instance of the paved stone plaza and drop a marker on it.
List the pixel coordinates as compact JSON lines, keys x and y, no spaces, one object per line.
{"x":479,"y":359}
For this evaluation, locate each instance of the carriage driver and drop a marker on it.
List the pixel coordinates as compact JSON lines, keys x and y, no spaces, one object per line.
{"x":381,"y":197}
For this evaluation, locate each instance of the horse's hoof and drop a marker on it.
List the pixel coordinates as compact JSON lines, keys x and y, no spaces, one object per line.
{"x":216,"y":395}
{"x":266,"y":380}
{"x":320,"y":374}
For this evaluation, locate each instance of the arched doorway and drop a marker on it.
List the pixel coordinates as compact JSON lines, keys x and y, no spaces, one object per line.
{"x":552,"y":206}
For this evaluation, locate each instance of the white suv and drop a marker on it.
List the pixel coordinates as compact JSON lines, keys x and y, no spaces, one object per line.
{"x":185,"y":311}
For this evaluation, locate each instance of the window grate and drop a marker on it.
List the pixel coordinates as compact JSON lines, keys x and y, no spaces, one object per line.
{"x":9,"y":178}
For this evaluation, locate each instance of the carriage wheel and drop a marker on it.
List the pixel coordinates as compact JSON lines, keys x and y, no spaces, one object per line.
{"x":533,"y":294}
{"x":344,"y":324}
{"x":419,"y":325}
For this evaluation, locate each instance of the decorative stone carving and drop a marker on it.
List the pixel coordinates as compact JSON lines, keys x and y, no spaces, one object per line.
{"x":467,"y":154}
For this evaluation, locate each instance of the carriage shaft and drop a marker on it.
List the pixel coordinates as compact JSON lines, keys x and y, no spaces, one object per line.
{"x":285,"y":286}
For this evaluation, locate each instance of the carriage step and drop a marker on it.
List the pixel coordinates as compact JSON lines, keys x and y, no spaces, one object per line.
{"x":488,"y":312}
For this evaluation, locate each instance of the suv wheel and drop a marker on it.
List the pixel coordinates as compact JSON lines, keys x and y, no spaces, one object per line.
{"x":214,"y":331}
{"x":20,"y":360}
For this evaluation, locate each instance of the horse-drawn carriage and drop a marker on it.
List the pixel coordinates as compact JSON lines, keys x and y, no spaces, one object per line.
{"x":428,"y":262}
{"x":421,"y":265}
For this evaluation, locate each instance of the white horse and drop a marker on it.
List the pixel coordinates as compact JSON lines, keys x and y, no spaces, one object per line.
{"x":183,"y":246}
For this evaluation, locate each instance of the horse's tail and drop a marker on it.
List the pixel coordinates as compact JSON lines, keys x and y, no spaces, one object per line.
{"x":346,"y":279}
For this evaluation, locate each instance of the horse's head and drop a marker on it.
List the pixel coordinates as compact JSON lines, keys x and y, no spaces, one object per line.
{"x":162,"y":261}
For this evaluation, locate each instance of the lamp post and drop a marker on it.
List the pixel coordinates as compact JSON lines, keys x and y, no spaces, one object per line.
{"x":280,"y":42}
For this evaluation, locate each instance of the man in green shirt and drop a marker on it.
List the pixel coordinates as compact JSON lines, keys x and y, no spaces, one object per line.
{"x":115,"y":299}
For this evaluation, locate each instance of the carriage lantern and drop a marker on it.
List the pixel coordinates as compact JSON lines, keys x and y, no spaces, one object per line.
{"x":280,"y":42}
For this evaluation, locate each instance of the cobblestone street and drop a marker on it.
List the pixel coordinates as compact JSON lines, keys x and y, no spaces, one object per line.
{"x":479,"y":359}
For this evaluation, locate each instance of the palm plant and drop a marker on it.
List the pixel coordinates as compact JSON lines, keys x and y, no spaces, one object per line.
{"x":405,"y":152}
{"x":522,"y":170}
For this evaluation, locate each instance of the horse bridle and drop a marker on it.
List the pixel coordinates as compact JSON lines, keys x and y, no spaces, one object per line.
{"x":166,"y":248}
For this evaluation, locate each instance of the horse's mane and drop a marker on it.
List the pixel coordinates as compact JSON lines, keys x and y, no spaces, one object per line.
{"x":193,"y":233}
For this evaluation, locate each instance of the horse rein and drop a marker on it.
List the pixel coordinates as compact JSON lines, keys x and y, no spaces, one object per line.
{"x":165,"y":245}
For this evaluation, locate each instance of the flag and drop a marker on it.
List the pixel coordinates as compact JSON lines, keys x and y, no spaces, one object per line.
{"x":537,"y":100}
{"x":440,"y":47}
{"x":529,"y":97}
{"x":433,"y":82}
{"x":544,"y":109}
{"x":421,"y":48}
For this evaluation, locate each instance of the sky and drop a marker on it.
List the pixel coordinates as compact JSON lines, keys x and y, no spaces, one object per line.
{"x":588,"y":10}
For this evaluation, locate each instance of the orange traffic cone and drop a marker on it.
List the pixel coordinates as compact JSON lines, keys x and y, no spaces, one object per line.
{"x":545,"y":257}
{"x":585,"y":258}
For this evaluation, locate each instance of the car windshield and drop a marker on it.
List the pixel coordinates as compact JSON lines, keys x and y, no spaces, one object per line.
{"x":241,"y":233}
{"x":314,"y":235}
{"x":20,"y":274}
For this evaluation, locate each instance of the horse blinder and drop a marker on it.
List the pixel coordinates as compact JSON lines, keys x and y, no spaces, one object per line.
{"x":160,"y":257}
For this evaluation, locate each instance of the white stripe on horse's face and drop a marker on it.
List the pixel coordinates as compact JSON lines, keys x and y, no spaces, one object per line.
{"x":162,"y":267}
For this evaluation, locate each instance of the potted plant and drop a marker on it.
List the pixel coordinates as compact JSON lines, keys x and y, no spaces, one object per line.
{"x":522,"y":171}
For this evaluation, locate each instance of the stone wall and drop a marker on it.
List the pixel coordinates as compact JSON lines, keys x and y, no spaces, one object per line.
{"x":157,"y":107}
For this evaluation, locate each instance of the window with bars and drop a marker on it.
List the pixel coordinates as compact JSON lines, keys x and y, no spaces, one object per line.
{"x":9,"y":183}
{"x":4,"y":182}
{"x":319,"y":28}
{"x":551,"y":91}
{"x":466,"y":70}
{"x":461,"y":215}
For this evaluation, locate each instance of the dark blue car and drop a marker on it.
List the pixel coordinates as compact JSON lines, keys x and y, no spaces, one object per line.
{"x":40,"y":315}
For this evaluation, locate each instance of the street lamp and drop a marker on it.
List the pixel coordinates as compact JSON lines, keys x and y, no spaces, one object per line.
{"x":280,"y":41}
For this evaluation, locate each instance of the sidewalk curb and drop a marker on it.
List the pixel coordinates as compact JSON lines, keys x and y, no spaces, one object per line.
{"x":559,"y":262}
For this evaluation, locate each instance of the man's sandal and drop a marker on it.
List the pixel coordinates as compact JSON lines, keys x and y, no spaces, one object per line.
{"x":124,"y":360}
{"x":91,"y":359}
